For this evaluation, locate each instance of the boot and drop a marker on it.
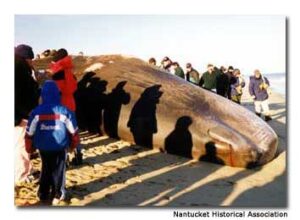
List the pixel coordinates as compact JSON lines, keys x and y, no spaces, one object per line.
{"x":268,"y":118}
{"x":258,"y":114}
{"x":77,"y":160}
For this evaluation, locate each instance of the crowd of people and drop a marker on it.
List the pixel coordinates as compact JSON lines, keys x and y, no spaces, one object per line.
{"x":226,"y":82}
{"x":46,"y":119}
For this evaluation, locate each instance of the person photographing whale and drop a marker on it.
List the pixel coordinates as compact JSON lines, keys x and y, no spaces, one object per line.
{"x":258,"y":89}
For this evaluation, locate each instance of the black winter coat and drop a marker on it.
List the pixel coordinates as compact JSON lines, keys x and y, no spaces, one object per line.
{"x":26,"y":90}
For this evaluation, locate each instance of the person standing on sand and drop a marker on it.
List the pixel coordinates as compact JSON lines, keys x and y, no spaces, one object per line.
{"x":258,"y":90}
{"x":52,"y":129}
{"x":238,"y":83}
{"x":26,"y":98}
{"x":192,"y":75}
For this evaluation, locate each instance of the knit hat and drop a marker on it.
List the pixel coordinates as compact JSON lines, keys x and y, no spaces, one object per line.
{"x":24,"y":51}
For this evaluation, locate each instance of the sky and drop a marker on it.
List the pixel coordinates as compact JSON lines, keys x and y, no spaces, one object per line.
{"x":245,"y":42}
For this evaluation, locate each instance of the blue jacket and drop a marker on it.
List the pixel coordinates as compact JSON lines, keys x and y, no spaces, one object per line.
{"x":51,"y":126}
{"x":254,"y":90}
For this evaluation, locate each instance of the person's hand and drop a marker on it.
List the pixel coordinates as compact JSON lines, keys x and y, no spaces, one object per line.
{"x":23,"y":123}
{"x":252,"y":97}
{"x":49,"y":72}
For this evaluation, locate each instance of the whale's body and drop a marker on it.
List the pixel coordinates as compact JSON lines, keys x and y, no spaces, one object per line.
{"x":240,"y":138}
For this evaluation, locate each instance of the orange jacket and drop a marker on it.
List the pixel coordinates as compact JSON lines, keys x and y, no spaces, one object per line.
{"x":66,"y":84}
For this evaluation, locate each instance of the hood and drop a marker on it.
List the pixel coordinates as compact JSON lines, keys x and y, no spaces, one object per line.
{"x":50,"y":93}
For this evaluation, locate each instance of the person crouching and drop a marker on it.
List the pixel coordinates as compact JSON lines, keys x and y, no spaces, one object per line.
{"x":258,"y":90}
{"x":52,"y":129}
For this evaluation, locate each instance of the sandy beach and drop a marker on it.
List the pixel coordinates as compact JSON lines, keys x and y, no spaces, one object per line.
{"x":116,"y":173}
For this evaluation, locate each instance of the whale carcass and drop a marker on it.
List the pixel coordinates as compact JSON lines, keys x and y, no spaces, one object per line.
{"x":166,"y":112}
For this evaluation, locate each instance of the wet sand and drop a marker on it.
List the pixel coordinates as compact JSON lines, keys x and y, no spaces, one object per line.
{"x":116,"y":173}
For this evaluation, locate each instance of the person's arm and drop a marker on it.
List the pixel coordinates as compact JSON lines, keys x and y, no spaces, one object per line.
{"x":267,"y":82}
{"x":53,"y":68}
{"x":227,"y":83}
{"x":30,"y":130}
{"x":72,"y":128}
{"x":234,"y":83}
{"x":242,"y":82}
{"x":197,"y":76}
{"x":187,"y":76}
{"x":251,"y":88}
{"x":201,"y":81}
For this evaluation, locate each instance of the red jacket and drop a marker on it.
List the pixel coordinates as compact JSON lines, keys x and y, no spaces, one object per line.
{"x":68,"y":84}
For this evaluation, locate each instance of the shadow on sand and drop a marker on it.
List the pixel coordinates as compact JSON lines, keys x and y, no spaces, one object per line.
{"x":142,"y":120}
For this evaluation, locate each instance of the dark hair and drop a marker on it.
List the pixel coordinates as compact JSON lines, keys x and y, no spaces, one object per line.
{"x":188,"y":65}
{"x":175,"y":64}
{"x":166,"y":59}
{"x":230,"y":68}
{"x":60,"y":54}
{"x":222,"y":69}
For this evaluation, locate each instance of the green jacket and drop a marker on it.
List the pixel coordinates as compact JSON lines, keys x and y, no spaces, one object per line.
{"x":179,"y":72}
{"x":209,"y":81}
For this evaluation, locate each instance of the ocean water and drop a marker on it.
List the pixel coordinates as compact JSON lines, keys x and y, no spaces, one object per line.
{"x":277,"y":82}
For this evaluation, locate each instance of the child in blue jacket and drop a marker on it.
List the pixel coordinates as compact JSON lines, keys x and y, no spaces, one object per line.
{"x":52,"y":129}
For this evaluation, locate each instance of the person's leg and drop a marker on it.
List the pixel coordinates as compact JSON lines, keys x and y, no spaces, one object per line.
{"x":78,"y":155}
{"x":257,"y":106}
{"x":266,"y":110}
{"x":58,"y":175}
{"x":23,"y":165}
{"x":77,"y":160}
{"x":45,"y":177}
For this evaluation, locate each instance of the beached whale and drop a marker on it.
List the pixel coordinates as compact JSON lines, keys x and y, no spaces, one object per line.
{"x":153,"y":108}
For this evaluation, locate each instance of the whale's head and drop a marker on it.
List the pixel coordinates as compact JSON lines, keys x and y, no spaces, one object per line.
{"x":240,"y":137}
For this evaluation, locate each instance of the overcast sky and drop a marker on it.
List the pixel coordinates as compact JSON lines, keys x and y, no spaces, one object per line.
{"x":246,"y":42}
